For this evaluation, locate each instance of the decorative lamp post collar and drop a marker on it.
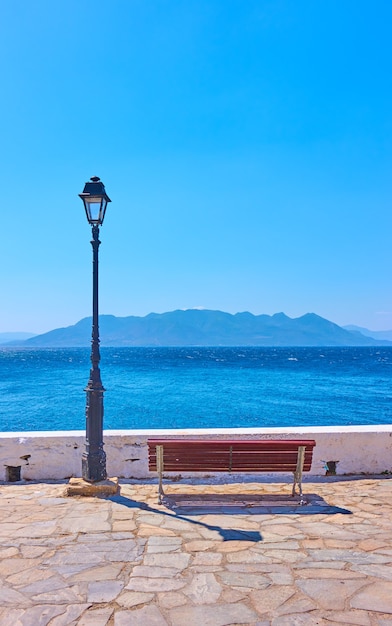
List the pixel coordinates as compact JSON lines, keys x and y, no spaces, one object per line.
{"x":95,"y":200}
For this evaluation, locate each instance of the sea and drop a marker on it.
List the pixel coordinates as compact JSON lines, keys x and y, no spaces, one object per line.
{"x":155,"y":388}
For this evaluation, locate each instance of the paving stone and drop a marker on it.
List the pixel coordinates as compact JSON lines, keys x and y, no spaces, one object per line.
{"x":11,"y":617}
{"x":190,"y":536}
{"x":149,"y":615}
{"x":207,"y":558}
{"x":9,"y":528}
{"x":151,"y":571}
{"x":104,"y":591}
{"x":234,"y":522}
{"x":281,"y":578}
{"x":41,"y":586}
{"x":281,"y":545}
{"x":301,"y":619}
{"x":217,"y":615}
{"x":71,"y":614}
{"x":150,"y":518}
{"x":117,"y":550}
{"x":330,"y":594}
{"x":158,"y":544}
{"x":319,"y":565}
{"x":84,"y":525}
{"x":95,"y":617}
{"x":286,"y":530}
{"x":20,"y":579}
{"x":199,"y":545}
{"x":246,"y":556}
{"x":160,"y":584}
{"x":13,"y":565}
{"x":11,"y":597}
{"x":129,"y":599}
{"x":37,"y":529}
{"x":66,"y":571}
{"x":378,"y":571}
{"x":92,"y":537}
{"x":266,"y":600}
{"x":299,"y":603}
{"x":31,"y":552}
{"x":312,"y":544}
{"x":47,"y":501}
{"x":171,"y":599}
{"x":71,"y":556}
{"x":94,"y":574}
{"x":376,"y":597}
{"x":339,"y":574}
{"x":69,"y":595}
{"x":204,"y":589}
{"x":146,"y":530}
{"x":328,"y":531}
{"x":286,"y":556}
{"x":9,"y":552}
{"x":347,"y":617}
{"x":37,"y":615}
{"x":238,"y":579}
{"x":350,"y":556}
{"x":233,"y":595}
{"x":234,"y":546}
{"x":177,"y":560}
{"x":385,"y":551}
{"x":176,"y":525}
{"x":123,"y":525}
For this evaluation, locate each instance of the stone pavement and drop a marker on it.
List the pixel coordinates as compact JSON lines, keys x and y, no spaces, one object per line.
{"x":231,"y":557}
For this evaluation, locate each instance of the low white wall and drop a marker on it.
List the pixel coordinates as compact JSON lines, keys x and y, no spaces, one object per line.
{"x":57,"y":455}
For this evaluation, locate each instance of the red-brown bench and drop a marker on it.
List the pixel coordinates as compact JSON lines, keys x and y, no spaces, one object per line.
{"x":246,"y":455}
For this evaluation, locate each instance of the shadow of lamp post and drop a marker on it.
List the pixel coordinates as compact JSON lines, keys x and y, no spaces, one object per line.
{"x":95,"y":201}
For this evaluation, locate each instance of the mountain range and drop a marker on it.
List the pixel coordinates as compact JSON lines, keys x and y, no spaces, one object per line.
{"x":375,"y":334}
{"x":194,"y":327}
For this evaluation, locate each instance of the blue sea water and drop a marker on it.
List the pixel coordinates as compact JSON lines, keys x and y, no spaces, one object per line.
{"x":197,"y":387}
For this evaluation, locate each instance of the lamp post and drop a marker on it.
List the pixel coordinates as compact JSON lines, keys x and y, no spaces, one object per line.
{"x":95,"y":201}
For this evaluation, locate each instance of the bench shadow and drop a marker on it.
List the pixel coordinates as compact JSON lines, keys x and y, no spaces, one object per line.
{"x":183,"y":506}
{"x":227,"y":534}
{"x":250,"y":504}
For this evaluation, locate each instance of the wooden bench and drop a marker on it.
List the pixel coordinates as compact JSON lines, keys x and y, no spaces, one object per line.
{"x":246,"y":455}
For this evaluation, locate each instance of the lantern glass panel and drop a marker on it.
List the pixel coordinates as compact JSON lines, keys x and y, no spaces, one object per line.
{"x":94,"y":210}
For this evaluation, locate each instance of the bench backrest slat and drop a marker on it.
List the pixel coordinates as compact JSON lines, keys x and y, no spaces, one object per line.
{"x":230,"y":455}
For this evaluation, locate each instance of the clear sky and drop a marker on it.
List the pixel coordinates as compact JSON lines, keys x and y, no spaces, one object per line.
{"x":246,"y":146}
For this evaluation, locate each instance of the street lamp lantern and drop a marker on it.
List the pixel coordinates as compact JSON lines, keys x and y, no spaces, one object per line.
{"x":95,"y":201}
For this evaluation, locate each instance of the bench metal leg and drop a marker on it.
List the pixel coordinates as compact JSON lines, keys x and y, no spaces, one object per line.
{"x":159,"y":453}
{"x":298,"y":473}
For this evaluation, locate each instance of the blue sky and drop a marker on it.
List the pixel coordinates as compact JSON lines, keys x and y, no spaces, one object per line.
{"x":246,"y":147}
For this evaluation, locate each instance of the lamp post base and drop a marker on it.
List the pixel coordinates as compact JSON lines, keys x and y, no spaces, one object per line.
{"x":94,"y":466}
{"x":80,"y":487}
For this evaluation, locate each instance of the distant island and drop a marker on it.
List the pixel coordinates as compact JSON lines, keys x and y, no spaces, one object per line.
{"x":194,"y":327}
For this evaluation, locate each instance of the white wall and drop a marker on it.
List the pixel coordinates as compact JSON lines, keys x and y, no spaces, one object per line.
{"x":57,"y":455}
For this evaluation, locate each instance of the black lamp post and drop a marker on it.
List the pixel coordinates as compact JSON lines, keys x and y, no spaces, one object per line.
{"x":95,"y":202}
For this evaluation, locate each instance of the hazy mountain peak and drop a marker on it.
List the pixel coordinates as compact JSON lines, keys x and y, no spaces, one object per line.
{"x":195,"y":327}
